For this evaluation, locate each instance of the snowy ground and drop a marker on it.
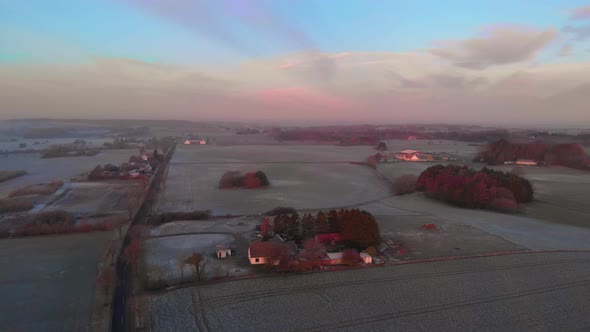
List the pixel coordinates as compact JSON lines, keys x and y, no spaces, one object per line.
{"x":302,"y":186}
{"x":93,"y":198}
{"x":45,"y":170}
{"x":174,"y":242}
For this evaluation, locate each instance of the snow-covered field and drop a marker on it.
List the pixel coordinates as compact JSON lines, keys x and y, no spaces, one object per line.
{"x":45,"y":170}
{"x":302,"y":186}
{"x":551,"y":222}
{"x":274,"y":153}
{"x":45,"y":143}
{"x":164,"y":257}
{"x":92,"y":198}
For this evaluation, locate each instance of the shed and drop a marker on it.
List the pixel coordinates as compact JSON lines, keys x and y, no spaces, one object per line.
{"x":223,"y":251}
{"x":335,"y":258}
{"x":368,"y":259}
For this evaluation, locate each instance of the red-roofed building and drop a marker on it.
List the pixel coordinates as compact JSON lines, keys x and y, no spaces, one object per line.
{"x":329,"y":238}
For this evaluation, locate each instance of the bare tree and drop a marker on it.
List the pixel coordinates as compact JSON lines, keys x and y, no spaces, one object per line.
{"x":313,"y":251}
{"x":198,"y":262}
{"x":180,"y":265}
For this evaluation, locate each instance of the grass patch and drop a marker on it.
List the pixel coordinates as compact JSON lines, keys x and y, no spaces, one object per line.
{"x":40,"y":189}
{"x":56,"y":222}
{"x":15,"y":205}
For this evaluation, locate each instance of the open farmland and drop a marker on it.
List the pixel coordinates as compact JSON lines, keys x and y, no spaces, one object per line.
{"x":46,"y":143}
{"x":561,"y":194}
{"x":274,"y":153}
{"x":45,"y":170}
{"x":94,"y":198}
{"x":492,"y":293}
{"x":163,"y":257}
{"x":298,"y":175}
{"x":521,"y":229}
{"x":47,"y":283}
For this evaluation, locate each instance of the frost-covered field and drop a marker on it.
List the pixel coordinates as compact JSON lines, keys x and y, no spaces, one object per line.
{"x":45,"y":170}
{"x":299,"y":178}
{"x":302,"y":186}
{"x":164,"y":257}
{"x":275,"y":153}
{"x":407,"y":298}
{"x":45,"y":143}
{"x":92,"y":198}
{"x":241,"y":225}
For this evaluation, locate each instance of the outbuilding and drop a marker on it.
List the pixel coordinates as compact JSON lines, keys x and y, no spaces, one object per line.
{"x":223,"y":251}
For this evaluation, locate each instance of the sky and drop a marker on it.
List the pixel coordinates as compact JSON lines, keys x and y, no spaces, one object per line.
{"x":298,"y":61}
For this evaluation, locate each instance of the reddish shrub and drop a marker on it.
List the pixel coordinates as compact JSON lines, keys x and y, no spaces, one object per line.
{"x":251,"y":181}
{"x":351,"y":257}
{"x":429,"y":226}
{"x":132,"y":253}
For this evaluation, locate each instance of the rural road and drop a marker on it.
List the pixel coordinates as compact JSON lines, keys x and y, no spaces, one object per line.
{"x":541,"y":291}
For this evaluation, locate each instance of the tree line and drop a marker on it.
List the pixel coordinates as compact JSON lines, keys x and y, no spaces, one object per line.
{"x":569,"y":154}
{"x":356,"y":227}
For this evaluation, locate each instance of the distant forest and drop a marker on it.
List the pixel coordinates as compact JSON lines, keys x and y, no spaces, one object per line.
{"x":569,"y":155}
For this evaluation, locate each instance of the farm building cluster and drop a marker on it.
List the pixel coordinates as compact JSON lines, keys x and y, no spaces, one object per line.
{"x":293,"y":243}
{"x":415,"y":156}
{"x":141,"y":166}
{"x":329,"y":251}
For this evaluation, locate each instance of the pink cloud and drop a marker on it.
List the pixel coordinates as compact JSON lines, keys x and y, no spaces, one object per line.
{"x":298,"y":98}
{"x":580,"y":13}
{"x":290,"y":64}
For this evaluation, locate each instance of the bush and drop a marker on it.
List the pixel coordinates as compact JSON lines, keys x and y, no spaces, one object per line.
{"x":251,"y":180}
{"x":405,"y":184}
{"x":350,"y":257}
{"x":52,"y":218}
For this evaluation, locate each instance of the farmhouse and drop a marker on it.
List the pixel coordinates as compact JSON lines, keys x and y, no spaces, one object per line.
{"x":526,"y":162}
{"x":368,"y":259}
{"x":192,"y":141}
{"x":413,"y":155}
{"x":265,"y":252}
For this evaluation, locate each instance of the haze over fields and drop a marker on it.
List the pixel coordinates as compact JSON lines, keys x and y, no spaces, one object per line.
{"x":485,"y":62}
{"x":287,"y":165}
